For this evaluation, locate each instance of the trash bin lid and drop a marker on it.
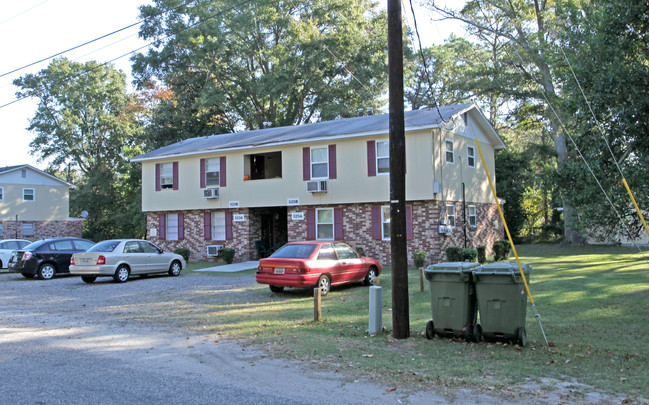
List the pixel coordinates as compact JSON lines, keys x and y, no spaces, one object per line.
{"x":503,"y":267}
{"x":453,"y":267}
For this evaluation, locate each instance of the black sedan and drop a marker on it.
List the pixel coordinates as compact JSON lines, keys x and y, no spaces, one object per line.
{"x":46,"y":258}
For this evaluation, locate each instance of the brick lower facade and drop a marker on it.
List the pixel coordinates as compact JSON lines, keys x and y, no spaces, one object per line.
{"x":42,"y":229}
{"x":276,"y":224}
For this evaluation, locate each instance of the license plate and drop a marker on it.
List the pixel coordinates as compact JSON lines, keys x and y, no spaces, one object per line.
{"x":279,"y":270}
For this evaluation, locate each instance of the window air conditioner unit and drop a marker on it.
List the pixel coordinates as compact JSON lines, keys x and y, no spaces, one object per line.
{"x":211,"y":193}
{"x":316,"y":186}
{"x":213,"y":250}
{"x":444,"y":229}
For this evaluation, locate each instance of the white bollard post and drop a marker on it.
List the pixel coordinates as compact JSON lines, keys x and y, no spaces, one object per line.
{"x":376,"y":306}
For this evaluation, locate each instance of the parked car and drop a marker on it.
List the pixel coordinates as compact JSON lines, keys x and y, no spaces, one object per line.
{"x":316,"y":264}
{"x":47,"y":258}
{"x":122,"y":258}
{"x":7,"y":247}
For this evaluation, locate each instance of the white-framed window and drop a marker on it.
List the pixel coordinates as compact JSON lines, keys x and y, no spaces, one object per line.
{"x":172,"y":227}
{"x":450,"y":151}
{"x":213,"y":173}
{"x":28,"y":229}
{"x":450,"y":214}
{"x":29,"y":194}
{"x":382,"y":157}
{"x":324,"y":223}
{"x":166,"y":175}
{"x":472,"y":216}
{"x":2,"y":193}
{"x":385,"y":222}
{"x":320,"y":163}
{"x":218,"y":225}
{"x":470,"y":156}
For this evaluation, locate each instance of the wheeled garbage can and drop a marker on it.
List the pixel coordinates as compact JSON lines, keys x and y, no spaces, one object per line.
{"x":452,"y":299}
{"x":502,"y":300}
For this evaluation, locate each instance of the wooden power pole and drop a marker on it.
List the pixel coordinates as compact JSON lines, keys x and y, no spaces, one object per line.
{"x":398,"y":244}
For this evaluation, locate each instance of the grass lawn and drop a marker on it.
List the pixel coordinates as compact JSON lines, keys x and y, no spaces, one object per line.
{"x":593,"y":301}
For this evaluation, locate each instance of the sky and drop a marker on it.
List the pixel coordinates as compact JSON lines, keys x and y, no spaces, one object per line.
{"x":32,"y":30}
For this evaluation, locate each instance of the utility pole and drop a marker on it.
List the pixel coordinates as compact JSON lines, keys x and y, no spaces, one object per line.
{"x":398,"y":243}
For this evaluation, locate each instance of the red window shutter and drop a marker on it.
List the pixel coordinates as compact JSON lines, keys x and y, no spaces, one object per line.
{"x":162,"y":222}
{"x":222,"y":172}
{"x":181,"y":226}
{"x":306,"y":163}
{"x":228,"y":225}
{"x":409,"y":222}
{"x":175,"y":184}
{"x":332,"y":161}
{"x":338,"y":224}
{"x":207,"y":225}
{"x":371,"y":159}
{"x":158,"y":187}
{"x":203,"y":182}
{"x":376,"y":223}
{"x":310,"y":224}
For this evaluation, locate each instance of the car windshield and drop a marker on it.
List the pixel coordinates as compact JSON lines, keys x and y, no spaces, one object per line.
{"x":105,"y":246}
{"x":297,"y":251}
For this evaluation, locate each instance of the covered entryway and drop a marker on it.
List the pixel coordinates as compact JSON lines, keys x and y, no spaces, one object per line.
{"x":268,"y":230}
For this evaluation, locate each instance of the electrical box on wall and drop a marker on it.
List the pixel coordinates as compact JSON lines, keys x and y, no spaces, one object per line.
{"x":437,"y":187}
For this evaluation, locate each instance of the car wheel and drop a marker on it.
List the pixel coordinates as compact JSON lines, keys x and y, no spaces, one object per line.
{"x":174,"y":269}
{"x":276,"y":289}
{"x":324,"y":284}
{"x":89,"y":279}
{"x":121,"y":274}
{"x":28,"y":275}
{"x":46,"y":271}
{"x":372,"y":274}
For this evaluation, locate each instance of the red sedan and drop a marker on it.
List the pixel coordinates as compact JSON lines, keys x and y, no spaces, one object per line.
{"x":316,"y":264}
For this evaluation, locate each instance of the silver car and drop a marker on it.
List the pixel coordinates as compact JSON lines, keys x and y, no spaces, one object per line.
{"x":122,"y":258}
{"x":7,"y":246}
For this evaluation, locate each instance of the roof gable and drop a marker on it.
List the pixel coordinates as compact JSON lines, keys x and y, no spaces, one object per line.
{"x":10,"y":172}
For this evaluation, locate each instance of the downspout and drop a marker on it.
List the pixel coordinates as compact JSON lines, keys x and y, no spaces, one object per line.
{"x":464,"y":213}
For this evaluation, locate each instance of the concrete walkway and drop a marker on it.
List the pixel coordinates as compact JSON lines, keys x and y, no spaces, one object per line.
{"x":234,"y":267}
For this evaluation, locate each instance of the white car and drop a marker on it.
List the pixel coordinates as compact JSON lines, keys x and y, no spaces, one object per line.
{"x":122,"y":258}
{"x":7,"y":246}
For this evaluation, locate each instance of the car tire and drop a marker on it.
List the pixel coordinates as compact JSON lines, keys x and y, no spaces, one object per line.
{"x":46,"y":271}
{"x":175,"y":268}
{"x":324,"y":284}
{"x":28,"y":275}
{"x":89,"y":279}
{"x":372,"y":274}
{"x":121,"y":274}
{"x":276,"y":288}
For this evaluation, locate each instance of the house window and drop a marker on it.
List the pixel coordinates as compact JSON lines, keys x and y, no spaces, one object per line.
{"x":325,"y":223}
{"x":172,"y":226}
{"x":472,"y":216}
{"x":470,"y":156}
{"x":319,"y":163}
{"x":2,"y":193}
{"x":28,"y":194}
{"x":218,"y":225}
{"x":383,"y":157}
{"x":450,"y":214}
{"x":450,"y":154}
{"x":385,"y":222}
{"x":28,"y":229}
{"x":23,"y":173}
{"x":212,"y":172}
{"x":166,"y":175}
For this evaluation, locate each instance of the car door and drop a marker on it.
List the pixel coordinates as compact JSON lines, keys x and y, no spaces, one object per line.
{"x":5,"y":254}
{"x":349,"y":263}
{"x":156,"y":261}
{"x":133,"y":254}
{"x":59,"y":252}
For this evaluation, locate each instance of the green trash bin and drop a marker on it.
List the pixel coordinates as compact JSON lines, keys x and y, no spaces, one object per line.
{"x":452,"y":299}
{"x":502,"y":301}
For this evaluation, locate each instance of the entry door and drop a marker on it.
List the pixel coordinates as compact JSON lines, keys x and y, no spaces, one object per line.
{"x":258,"y":167}
{"x":267,"y":225}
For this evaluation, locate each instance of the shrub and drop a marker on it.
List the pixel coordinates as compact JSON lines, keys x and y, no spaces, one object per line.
{"x":419,"y":258}
{"x":184,"y":252}
{"x":501,"y":250}
{"x":482,"y":254}
{"x":454,"y":254}
{"x":469,"y":255}
{"x":227,"y":254}
{"x":507,"y":249}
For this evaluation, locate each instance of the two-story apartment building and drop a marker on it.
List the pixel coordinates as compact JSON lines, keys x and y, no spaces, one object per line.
{"x":326,"y":180}
{"x":35,"y":205}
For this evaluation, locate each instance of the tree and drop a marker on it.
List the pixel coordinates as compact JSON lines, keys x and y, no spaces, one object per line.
{"x":249,"y":63}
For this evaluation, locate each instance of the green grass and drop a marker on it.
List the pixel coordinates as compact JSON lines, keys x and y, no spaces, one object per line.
{"x":593,"y":302}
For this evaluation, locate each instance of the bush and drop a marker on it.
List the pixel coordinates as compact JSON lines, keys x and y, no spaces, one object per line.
{"x":482,"y":254}
{"x":419,"y":258}
{"x":184,"y":252}
{"x":469,"y":255}
{"x":227,"y":254}
{"x":502,"y":249}
{"x":454,"y":254}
